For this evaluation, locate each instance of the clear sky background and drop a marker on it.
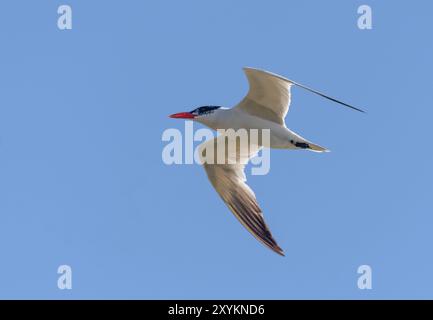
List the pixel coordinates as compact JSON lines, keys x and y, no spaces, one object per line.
{"x":82,"y":182}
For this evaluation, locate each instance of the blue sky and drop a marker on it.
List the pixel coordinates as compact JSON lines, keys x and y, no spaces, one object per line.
{"x":82,"y":182}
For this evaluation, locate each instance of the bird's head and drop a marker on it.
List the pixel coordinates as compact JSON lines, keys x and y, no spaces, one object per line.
{"x":200,"y":114}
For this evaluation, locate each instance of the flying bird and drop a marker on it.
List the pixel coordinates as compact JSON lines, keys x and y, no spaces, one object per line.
{"x":264,"y":107}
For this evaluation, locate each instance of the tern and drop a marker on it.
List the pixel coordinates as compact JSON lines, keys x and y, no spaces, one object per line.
{"x":264,"y":107}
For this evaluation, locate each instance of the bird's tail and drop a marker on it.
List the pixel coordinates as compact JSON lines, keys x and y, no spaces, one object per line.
{"x":298,"y":142}
{"x":301,"y":143}
{"x":316,"y":148}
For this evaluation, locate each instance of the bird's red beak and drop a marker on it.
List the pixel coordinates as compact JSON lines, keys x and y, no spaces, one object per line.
{"x":182,"y":115}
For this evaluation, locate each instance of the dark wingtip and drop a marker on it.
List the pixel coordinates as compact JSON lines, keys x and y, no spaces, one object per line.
{"x":327,"y":97}
{"x":280,"y":252}
{"x":354,"y":108}
{"x":277,"y":249}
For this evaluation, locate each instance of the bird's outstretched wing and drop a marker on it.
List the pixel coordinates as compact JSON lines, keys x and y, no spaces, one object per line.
{"x":269,"y":95}
{"x":229,"y":181}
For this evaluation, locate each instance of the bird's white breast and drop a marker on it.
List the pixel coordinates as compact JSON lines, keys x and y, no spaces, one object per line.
{"x":235,"y":119}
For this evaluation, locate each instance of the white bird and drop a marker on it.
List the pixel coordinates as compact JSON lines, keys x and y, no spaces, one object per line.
{"x":264,"y":107}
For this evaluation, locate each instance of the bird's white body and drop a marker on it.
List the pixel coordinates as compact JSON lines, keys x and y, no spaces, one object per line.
{"x":280,"y":136}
